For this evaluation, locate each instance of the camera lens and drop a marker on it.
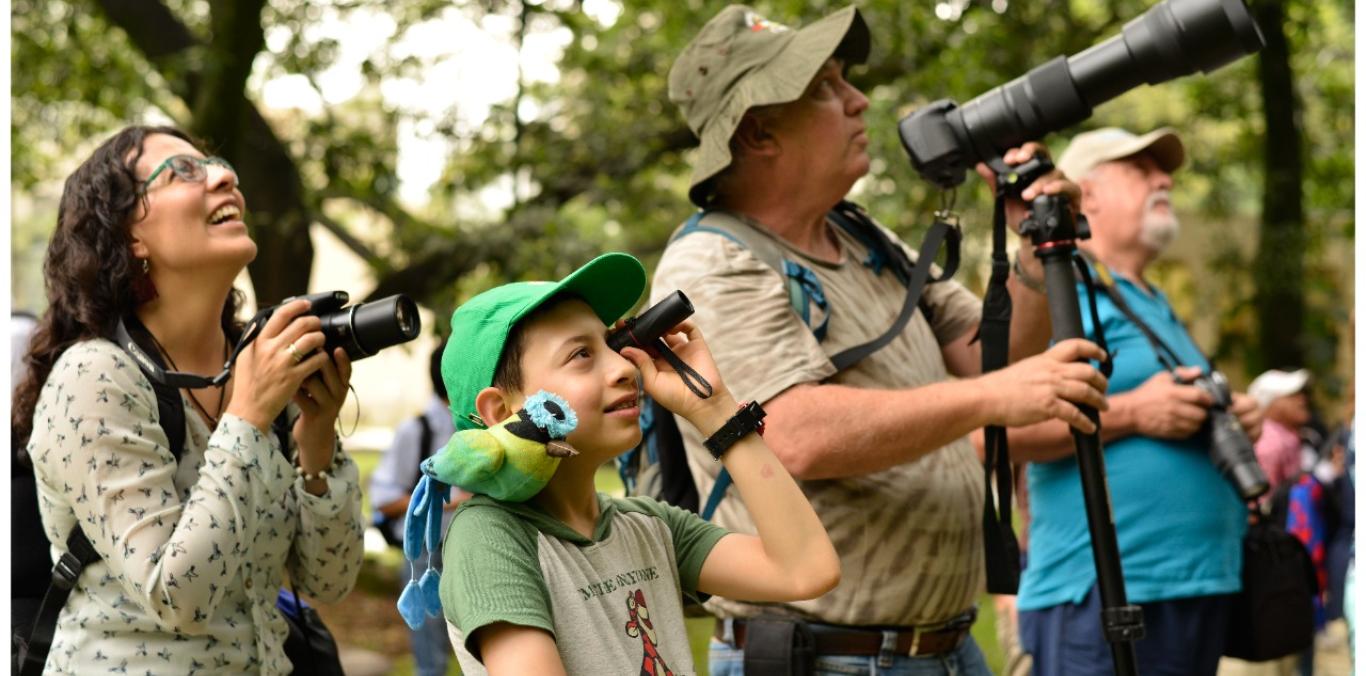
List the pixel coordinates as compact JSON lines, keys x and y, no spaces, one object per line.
{"x":1173,"y":38}
{"x":406,"y":318}
{"x":366,"y":328}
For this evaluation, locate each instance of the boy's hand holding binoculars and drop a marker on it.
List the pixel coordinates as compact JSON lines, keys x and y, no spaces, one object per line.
{"x":664,"y":383}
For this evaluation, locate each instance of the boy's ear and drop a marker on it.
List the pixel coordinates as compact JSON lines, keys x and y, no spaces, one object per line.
{"x":492,"y":406}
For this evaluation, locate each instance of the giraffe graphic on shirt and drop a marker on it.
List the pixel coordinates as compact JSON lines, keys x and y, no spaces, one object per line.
{"x":652,"y":663}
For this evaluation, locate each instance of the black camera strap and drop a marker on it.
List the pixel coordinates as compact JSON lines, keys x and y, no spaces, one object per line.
{"x":914,"y":276}
{"x":1105,"y":282}
{"x":1001,"y":547}
{"x":136,"y":340}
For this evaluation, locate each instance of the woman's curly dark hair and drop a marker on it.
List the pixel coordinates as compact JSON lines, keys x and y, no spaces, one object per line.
{"x":90,"y":268}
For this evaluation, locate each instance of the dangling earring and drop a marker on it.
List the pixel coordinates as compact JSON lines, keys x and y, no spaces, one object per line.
{"x":144,"y":291}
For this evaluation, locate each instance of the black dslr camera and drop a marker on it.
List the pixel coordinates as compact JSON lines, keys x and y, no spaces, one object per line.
{"x":1229,"y":447}
{"x":362,"y":329}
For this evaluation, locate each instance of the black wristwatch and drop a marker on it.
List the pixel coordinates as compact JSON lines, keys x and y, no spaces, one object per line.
{"x":750,"y":418}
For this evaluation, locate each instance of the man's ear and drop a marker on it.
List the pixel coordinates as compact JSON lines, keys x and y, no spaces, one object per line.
{"x":1089,"y":194}
{"x":492,"y":405}
{"x":753,"y":137}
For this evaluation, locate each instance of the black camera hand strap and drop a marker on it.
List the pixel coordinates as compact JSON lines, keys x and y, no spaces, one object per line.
{"x":1001,"y":546}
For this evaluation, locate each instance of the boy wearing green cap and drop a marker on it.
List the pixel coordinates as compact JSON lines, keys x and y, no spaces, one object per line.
{"x":575,"y":581}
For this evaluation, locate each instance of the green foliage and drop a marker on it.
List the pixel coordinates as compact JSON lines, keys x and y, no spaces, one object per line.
{"x":598,"y":159}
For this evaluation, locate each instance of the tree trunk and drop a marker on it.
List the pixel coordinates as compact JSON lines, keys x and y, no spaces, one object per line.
{"x":233,"y":128}
{"x":1278,"y":271}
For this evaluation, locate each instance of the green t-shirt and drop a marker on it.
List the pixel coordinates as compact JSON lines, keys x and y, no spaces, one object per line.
{"x":613,"y":603}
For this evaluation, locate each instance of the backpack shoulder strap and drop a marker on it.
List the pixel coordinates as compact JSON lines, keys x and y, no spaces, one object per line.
{"x":736,"y":230}
{"x":803,"y":287}
{"x":170,"y":406}
{"x":882,"y":252}
{"x":32,"y":652}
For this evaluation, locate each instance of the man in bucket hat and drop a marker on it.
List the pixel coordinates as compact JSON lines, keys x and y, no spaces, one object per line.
{"x":1179,"y":523}
{"x":881,"y":446}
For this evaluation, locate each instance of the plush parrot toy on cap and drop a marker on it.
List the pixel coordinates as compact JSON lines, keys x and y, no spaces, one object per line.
{"x":510,"y":461}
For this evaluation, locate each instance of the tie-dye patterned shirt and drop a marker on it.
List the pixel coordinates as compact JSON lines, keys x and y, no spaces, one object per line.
{"x":192,"y":554}
{"x":909,"y":537}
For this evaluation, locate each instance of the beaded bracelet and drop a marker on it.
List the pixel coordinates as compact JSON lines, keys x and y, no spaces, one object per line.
{"x":322,"y":474}
{"x":335,"y":463}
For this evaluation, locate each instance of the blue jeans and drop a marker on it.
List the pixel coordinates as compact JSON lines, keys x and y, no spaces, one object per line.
{"x":431,"y":644}
{"x":1183,"y":637}
{"x":967,"y":660}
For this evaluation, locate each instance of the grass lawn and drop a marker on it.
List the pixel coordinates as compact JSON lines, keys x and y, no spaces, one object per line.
{"x":367,"y":618}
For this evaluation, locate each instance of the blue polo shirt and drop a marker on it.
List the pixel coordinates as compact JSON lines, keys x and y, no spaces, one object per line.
{"x":1180,"y":524}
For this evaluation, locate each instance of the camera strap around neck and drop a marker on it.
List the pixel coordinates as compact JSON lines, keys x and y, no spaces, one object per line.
{"x":1105,"y":282}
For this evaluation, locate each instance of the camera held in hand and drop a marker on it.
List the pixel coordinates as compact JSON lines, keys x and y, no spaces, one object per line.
{"x":1229,"y":446}
{"x":361,"y":329}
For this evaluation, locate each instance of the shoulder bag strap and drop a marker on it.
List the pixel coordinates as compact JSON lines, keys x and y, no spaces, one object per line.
{"x":1105,"y":283}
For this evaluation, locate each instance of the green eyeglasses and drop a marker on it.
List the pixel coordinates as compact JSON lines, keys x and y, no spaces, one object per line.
{"x":188,"y":168}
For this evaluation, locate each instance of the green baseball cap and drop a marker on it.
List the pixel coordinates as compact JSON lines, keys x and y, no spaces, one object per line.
{"x":741,"y":60}
{"x":610,"y":284}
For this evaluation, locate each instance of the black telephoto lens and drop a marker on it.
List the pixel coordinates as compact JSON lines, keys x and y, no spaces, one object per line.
{"x":1174,"y":38}
{"x":366,"y":328}
{"x":646,"y":328}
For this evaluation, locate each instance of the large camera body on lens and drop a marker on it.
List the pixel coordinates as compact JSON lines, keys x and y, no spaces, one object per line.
{"x":1174,"y":38}
{"x":362,"y":329}
{"x":1230,"y":449}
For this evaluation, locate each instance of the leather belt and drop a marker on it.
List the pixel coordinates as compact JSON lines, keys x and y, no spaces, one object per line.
{"x":833,"y":639}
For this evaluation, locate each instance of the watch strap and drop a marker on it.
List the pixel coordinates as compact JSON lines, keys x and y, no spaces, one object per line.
{"x":748,"y":419}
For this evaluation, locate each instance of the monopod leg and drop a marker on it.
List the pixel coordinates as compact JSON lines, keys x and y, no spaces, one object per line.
{"x":1123,"y":623}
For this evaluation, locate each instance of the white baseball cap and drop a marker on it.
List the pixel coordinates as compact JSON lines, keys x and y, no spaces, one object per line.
{"x":1112,"y":143}
{"x":1275,"y":384}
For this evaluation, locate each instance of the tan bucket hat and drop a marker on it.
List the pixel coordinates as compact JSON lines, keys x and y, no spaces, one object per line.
{"x":741,"y":60}
{"x":1112,"y":143}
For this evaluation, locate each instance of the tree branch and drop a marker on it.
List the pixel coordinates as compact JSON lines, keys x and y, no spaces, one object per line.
{"x":355,"y":245}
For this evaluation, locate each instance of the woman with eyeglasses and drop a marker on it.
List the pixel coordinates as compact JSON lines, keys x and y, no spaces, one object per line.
{"x":192,"y":551}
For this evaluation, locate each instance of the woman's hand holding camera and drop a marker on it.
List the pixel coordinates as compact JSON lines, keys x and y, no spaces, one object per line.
{"x":320,"y":400}
{"x":286,"y":361}
{"x":271,"y":369}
